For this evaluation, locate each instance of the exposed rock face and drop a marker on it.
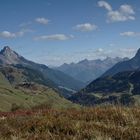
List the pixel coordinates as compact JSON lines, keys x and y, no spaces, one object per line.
{"x":8,"y":56}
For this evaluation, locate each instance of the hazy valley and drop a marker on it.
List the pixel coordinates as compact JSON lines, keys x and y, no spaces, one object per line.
{"x":27,"y":87}
{"x":69,"y":70}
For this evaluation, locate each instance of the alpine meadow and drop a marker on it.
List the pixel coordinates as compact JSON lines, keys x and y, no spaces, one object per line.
{"x":69,"y":70}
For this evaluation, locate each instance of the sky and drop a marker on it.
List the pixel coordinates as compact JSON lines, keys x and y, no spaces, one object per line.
{"x":54,"y":32}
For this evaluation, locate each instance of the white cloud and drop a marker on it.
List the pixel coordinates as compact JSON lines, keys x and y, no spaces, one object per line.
{"x":127,"y":9}
{"x":42,"y":20}
{"x":10,"y":35}
{"x":130,"y":34}
{"x":105,"y":5}
{"x":59,"y":37}
{"x":86,"y":27}
{"x":7,"y":34}
{"x":124,"y":13}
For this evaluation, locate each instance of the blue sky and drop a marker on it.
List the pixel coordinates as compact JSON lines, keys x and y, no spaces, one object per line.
{"x":56,"y":31}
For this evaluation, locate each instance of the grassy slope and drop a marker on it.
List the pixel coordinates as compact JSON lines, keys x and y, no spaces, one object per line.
{"x":26,"y":99}
{"x":9,"y":96}
{"x":98,"y":123}
{"x":4,"y":81}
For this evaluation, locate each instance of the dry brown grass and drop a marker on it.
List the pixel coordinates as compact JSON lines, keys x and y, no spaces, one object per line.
{"x":96,"y":123}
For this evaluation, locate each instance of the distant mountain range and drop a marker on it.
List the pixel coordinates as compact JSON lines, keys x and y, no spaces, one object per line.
{"x":58,"y":78}
{"x":88,"y":70}
{"x":120,"y":84}
{"x":28,"y":84}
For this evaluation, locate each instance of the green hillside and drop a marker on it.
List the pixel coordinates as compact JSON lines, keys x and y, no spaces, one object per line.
{"x":21,"y":88}
{"x":26,"y":99}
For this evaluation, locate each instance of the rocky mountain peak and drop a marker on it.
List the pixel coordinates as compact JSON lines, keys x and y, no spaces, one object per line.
{"x":137,"y":54}
{"x":6,"y":48}
{"x":8,"y":56}
{"x":7,"y":51}
{"x":85,"y":61}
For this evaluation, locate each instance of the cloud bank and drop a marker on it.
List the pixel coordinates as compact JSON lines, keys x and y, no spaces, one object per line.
{"x":124,"y":13}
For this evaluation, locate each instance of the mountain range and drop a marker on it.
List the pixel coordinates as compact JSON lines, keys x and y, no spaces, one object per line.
{"x":120,"y":84}
{"x":9,"y":57}
{"x":28,"y":84}
{"x":88,"y":70}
